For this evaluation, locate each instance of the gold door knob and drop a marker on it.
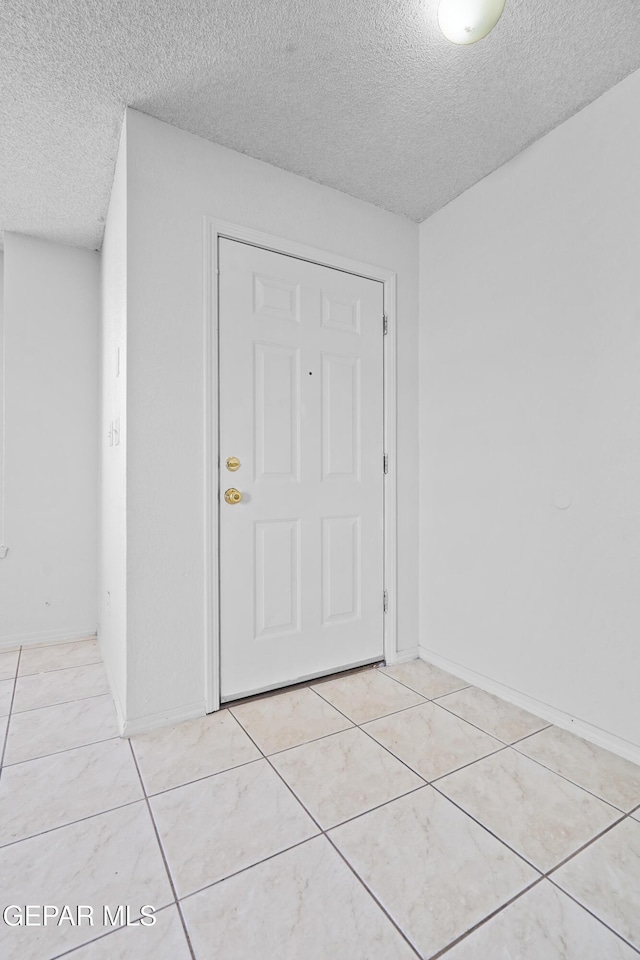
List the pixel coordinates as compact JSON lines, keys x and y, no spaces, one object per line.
{"x":232,"y":496}
{"x":233,"y":464}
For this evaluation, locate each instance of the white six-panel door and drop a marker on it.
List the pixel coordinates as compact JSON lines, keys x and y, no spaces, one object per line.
{"x":301,"y":408}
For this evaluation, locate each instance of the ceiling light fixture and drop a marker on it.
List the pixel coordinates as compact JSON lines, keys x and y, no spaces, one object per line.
{"x":467,"y":21}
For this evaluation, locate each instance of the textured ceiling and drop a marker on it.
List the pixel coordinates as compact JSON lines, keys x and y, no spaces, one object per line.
{"x":364,"y":95}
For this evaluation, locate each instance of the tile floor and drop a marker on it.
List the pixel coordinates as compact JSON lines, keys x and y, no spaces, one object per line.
{"x":386,"y":814}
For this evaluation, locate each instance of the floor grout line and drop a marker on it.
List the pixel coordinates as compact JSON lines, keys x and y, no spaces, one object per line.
{"x":545,"y":873}
{"x":206,"y":776}
{"x":512,"y":746}
{"x":107,"y":933}
{"x":530,"y":736}
{"x":420,"y":693}
{"x":61,"y":703}
{"x":262,"y":757}
{"x":250,"y":866}
{"x":490,"y":916}
{"x":464,"y":766}
{"x":363,"y":813}
{"x":280,"y":777}
{"x":9,"y":715}
{"x":163,"y":854}
{"x":361,"y":726}
{"x":586,"y":844}
{"x":68,"y":666}
{"x":57,"y":753}
{"x":436,"y":703}
{"x":399,"y":759}
{"x":592,"y":914}
{"x":70,"y":823}
{"x":391,"y":713}
{"x":495,"y":836}
{"x":324,"y":833}
{"x":267,"y":757}
{"x":275,"y":753}
{"x":507,"y":743}
{"x":563,"y":776}
{"x":374,"y":897}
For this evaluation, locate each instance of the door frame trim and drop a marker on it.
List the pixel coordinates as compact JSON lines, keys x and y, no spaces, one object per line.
{"x":213,"y":230}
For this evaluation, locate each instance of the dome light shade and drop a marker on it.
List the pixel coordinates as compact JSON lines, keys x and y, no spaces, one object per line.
{"x":467,"y":21}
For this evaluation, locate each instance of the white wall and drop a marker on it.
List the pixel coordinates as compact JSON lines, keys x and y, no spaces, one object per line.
{"x":174,"y":179}
{"x":2,"y":378}
{"x":112,"y":601}
{"x":48,"y":579}
{"x":530,"y":389}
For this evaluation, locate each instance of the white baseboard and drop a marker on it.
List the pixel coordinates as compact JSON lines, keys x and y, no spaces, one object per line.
{"x":56,"y":636}
{"x":162,"y":719}
{"x":129,"y":728}
{"x":403,"y":656}
{"x":115,"y":696}
{"x":601,"y":738}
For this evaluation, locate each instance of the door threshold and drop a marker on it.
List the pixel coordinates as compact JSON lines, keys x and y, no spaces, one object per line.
{"x":303,"y":682}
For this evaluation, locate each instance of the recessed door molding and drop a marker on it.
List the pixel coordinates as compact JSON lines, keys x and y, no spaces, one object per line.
{"x":335,"y":314}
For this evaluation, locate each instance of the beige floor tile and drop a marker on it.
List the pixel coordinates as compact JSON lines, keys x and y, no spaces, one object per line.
{"x":111,"y":859}
{"x":214,"y":827}
{"x":542,"y":924}
{"x":6,"y":692}
{"x":41,"y":794}
{"x":434,"y":869}
{"x":304,"y":904}
{"x":188,"y":751}
{"x":424,"y":678}
{"x":432,"y":741}
{"x":4,"y":722}
{"x":605,"y":877}
{"x":47,"y":730}
{"x":538,"y":813}
{"x":636,"y":814}
{"x":493,"y":715}
{"x":287,"y":719}
{"x":8,"y":664}
{"x":60,"y":686}
{"x":165,"y":940}
{"x":341,"y":776}
{"x":603,"y":773}
{"x":56,"y":656}
{"x":366,"y":695}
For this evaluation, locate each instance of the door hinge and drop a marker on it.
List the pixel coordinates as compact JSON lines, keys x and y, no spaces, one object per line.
{"x":385,"y":463}
{"x":385,"y":601}
{"x":385,"y":325}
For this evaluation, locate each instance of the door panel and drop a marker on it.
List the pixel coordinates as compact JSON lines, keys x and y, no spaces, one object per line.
{"x":340,"y":418}
{"x":301,"y":407}
{"x":277,"y":577}
{"x":277,"y":411}
{"x":341,"y":569}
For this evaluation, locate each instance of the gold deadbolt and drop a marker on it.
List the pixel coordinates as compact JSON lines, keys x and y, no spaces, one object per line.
{"x":233,"y":464}
{"x":232,"y":496}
